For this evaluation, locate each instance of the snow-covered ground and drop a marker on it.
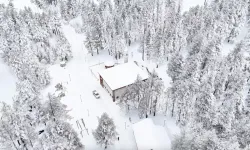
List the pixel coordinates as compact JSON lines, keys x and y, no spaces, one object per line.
{"x":226,"y":47}
{"x":80,"y":82}
{"x":7,"y":83}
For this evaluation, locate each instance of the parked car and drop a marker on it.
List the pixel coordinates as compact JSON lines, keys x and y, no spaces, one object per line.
{"x":96,"y":94}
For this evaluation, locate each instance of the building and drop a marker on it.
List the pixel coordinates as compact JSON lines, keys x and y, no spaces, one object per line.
{"x":149,"y":136}
{"x":116,"y":79}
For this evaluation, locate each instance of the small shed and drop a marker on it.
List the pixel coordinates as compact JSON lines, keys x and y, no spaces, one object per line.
{"x":109,"y":64}
{"x":149,"y":136}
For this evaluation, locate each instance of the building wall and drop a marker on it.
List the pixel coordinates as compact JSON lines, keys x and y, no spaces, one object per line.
{"x":116,"y":94}
{"x":119,"y":92}
{"x":108,"y":89}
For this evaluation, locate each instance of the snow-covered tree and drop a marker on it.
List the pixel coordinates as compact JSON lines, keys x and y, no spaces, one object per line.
{"x":60,"y":135}
{"x":144,"y":96}
{"x":55,"y":109}
{"x":105,"y":134}
{"x":190,"y":139}
{"x":117,"y":47}
{"x":16,"y":131}
{"x":69,"y":9}
{"x":94,"y":28}
{"x":63,"y":49}
{"x":175,"y":66}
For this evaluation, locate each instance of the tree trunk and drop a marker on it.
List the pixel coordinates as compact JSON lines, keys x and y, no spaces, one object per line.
{"x":91,"y":50}
{"x":172,"y":112}
{"x":179,"y":116}
{"x":52,"y":111}
{"x":226,"y":85}
{"x":143,"y":47}
{"x":14,"y":144}
{"x":11,"y":139}
{"x":31,"y":143}
{"x":24,"y":144}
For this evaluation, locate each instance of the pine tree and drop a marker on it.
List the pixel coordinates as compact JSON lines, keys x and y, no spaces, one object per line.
{"x":89,"y":44}
{"x":196,"y":139}
{"x":94,"y":28}
{"x":117,"y":47}
{"x":16,"y":131}
{"x":55,"y":109}
{"x":105,"y":134}
{"x":204,"y":112}
{"x":175,"y":66}
{"x":144,"y":95}
{"x":60,"y":135}
{"x":7,"y":136}
{"x":242,"y":127}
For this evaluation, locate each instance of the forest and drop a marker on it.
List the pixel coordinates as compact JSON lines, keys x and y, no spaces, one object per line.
{"x":208,"y":95}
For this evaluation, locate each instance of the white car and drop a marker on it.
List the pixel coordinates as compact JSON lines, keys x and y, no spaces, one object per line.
{"x":96,"y":94}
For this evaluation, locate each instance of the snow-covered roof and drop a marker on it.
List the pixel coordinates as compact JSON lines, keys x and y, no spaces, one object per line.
{"x":150,"y":136}
{"x":122,"y":75}
{"x":109,"y":63}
